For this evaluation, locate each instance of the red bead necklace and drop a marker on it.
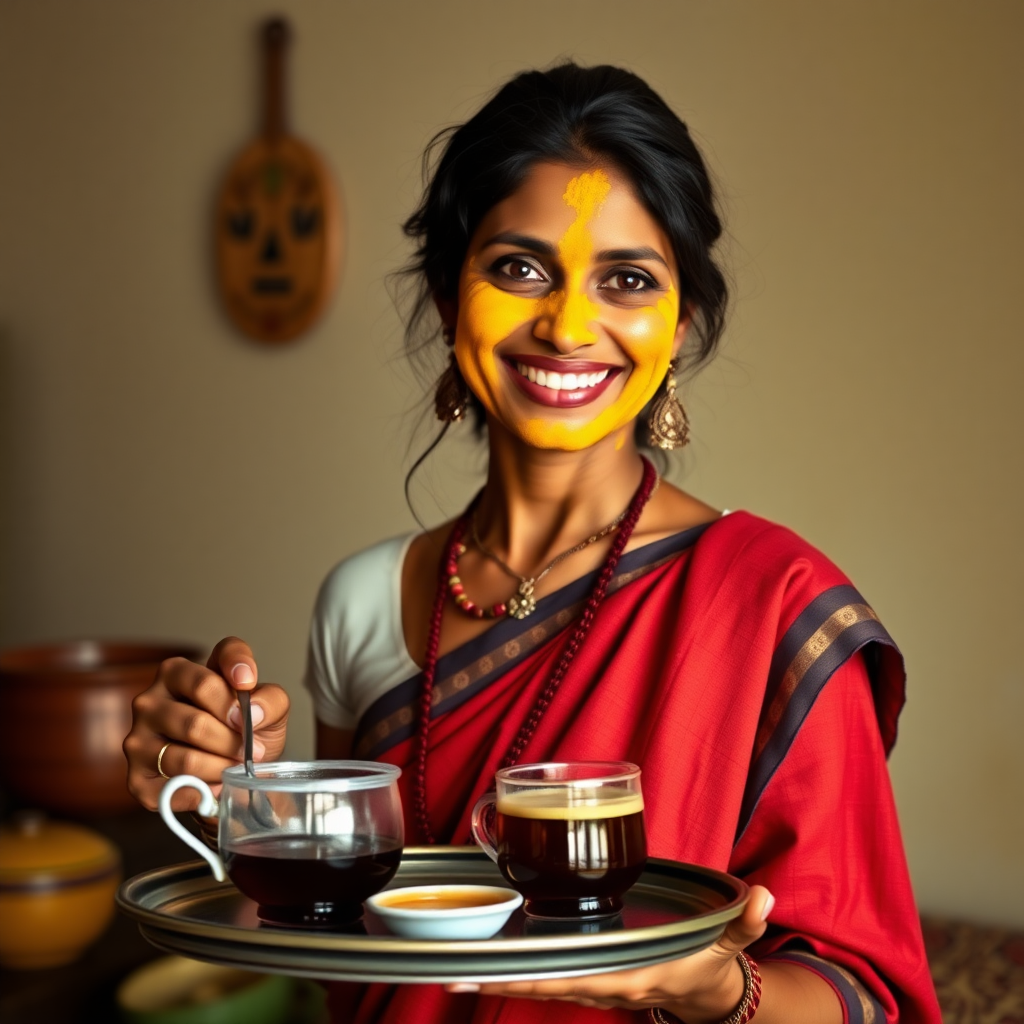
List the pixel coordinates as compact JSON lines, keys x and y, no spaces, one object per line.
{"x":458,"y":591}
{"x":533,"y":719}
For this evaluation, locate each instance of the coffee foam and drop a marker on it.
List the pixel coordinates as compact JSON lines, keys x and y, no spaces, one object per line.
{"x":569,"y":805}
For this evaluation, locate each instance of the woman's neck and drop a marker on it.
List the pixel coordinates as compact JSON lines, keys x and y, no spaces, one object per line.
{"x":538,"y":503}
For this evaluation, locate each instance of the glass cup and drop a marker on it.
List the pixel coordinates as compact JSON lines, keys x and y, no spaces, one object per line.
{"x":307,"y":841}
{"x":569,"y":836}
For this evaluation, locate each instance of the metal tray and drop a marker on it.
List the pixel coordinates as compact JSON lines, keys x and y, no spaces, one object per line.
{"x":673,"y":910}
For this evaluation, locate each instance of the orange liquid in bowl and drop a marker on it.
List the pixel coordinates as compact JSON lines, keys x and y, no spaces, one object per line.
{"x":444,"y":899}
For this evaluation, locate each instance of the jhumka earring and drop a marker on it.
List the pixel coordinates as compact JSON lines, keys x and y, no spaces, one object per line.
{"x":451,"y":399}
{"x":668,"y":422}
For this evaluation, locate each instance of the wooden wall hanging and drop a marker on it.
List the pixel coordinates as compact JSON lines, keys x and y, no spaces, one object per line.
{"x":278,"y":229}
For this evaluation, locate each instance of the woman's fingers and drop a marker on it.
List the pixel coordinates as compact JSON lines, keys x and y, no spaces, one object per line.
{"x":750,"y":925}
{"x":233,"y":660}
{"x":207,"y":690}
{"x":633,"y":989}
{"x":176,"y":759}
{"x":194,"y":684}
{"x":191,"y":713}
{"x":270,"y":707}
{"x":194,"y":729}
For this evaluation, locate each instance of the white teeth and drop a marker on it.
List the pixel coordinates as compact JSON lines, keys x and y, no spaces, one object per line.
{"x":561,"y":381}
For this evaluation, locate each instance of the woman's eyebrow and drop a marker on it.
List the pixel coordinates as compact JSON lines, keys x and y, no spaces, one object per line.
{"x":521,"y":242}
{"x":631,"y":255}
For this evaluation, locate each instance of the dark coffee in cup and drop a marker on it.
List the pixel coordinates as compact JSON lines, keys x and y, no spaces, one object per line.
{"x":312,"y":880}
{"x":571,"y":855}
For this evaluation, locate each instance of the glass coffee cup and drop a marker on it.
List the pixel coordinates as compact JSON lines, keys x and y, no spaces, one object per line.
{"x":569,"y":836}
{"x":306,"y":841}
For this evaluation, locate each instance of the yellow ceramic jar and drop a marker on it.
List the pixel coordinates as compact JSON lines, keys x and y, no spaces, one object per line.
{"x":57,"y":885}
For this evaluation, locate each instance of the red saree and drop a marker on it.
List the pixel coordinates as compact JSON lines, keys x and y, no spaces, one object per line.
{"x":706,"y":665}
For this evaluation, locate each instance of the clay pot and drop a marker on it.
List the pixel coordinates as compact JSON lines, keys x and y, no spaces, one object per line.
{"x":67,"y":710}
{"x":57,"y":885}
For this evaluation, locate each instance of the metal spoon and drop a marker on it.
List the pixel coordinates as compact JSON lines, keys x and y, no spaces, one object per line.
{"x":259,"y":805}
{"x":245,"y":706}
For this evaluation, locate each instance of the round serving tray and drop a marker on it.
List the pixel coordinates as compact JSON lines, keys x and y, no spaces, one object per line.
{"x":673,"y":910}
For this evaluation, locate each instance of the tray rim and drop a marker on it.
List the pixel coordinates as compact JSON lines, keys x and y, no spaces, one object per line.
{"x":334,"y":942}
{"x":448,"y":970}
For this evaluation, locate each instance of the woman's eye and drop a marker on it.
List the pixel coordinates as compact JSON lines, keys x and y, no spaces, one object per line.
{"x":629,"y":281}
{"x":519,"y":270}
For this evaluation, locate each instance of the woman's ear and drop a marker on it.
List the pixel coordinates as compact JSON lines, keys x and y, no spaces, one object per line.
{"x":685,"y":318}
{"x":448,"y":311}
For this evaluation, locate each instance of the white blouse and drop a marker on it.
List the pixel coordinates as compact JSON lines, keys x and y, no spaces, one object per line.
{"x":357,"y":648}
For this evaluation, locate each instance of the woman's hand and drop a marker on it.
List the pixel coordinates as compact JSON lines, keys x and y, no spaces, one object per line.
{"x":704,"y":987}
{"x":194,"y":711}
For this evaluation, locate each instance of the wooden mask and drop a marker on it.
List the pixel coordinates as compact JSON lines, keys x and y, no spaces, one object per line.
{"x":278,"y":231}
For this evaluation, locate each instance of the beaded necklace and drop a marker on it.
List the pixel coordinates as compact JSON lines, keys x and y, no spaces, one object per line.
{"x":533,"y":719}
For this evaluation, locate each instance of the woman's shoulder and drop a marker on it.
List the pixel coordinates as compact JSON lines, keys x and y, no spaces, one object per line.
{"x":756,"y":547}
{"x":729,"y":535}
{"x":365,"y":573}
{"x":754,"y":532}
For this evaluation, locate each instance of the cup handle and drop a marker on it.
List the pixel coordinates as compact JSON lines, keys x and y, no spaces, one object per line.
{"x":483,"y":818}
{"x":207,"y":808}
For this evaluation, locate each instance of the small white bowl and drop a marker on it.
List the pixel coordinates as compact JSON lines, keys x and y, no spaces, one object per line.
{"x":445,"y":922}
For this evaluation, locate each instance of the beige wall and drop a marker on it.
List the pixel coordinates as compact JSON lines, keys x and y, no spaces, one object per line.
{"x":164,"y":477}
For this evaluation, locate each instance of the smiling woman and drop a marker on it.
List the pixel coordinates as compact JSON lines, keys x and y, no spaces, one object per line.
{"x":570,"y":265}
{"x":578,"y":611}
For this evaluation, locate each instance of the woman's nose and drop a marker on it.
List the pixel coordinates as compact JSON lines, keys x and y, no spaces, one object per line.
{"x":567,"y":320}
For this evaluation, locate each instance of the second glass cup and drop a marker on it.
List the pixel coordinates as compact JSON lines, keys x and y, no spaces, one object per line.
{"x":568,"y":835}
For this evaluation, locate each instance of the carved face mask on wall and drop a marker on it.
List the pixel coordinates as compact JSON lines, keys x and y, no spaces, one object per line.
{"x":276,"y":240}
{"x":277,"y":221}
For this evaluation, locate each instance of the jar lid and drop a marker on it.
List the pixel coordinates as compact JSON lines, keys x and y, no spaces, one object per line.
{"x":35,"y":849}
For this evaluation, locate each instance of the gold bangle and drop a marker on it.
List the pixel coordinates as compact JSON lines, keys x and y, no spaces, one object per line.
{"x":748,"y":1004}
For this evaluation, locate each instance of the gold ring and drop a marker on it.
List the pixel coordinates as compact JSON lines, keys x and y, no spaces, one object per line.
{"x":160,"y":762}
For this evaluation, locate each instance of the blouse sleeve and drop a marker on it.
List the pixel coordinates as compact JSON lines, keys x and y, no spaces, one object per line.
{"x":326,"y":655}
{"x":825,"y":839}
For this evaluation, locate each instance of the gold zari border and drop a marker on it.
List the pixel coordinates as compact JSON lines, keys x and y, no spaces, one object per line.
{"x":814,"y":647}
{"x":528,"y":641}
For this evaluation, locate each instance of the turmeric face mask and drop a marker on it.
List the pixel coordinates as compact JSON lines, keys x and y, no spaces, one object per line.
{"x":568,"y":308}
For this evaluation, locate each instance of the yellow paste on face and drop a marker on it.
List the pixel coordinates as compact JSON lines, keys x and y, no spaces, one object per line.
{"x":489,"y":315}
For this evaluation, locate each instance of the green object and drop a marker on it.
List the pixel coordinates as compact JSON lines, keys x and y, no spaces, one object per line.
{"x":176,"y":990}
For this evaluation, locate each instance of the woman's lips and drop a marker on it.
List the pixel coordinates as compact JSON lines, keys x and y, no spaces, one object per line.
{"x":576,"y":382}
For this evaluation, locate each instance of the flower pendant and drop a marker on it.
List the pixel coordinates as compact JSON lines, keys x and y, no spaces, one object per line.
{"x":522,"y":603}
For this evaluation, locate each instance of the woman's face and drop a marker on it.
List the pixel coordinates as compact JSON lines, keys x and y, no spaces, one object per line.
{"x":568,"y":308}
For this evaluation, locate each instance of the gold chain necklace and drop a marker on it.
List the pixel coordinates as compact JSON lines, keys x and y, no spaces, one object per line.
{"x":522,"y":602}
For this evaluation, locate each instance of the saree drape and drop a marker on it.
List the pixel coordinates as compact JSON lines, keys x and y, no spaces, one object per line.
{"x":758,"y":692}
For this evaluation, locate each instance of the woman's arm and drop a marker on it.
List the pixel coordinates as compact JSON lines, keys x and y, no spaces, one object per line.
{"x":701,"y":989}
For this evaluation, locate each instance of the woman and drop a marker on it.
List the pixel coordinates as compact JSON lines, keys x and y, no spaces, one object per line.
{"x":578,"y":610}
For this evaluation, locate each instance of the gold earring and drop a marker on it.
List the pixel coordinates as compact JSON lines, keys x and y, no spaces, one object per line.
{"x":451,"y":399}
{"x":669,"y":425}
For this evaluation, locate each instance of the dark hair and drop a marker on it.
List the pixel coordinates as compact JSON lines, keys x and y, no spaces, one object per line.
{"x":574,"y":115}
